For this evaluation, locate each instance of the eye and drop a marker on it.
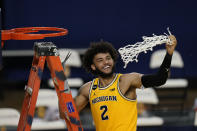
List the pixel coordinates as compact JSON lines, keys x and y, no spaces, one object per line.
{"x":109,"y":58}
{"x":99,"y":60}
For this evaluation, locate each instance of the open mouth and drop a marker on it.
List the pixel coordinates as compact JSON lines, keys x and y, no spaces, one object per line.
{"x":106,"y":67}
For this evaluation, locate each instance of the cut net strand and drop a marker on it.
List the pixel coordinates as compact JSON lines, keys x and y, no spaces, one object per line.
{"x":130,"y":53}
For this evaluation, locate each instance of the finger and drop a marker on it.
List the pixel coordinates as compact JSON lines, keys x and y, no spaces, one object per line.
{"x":173,"y":39}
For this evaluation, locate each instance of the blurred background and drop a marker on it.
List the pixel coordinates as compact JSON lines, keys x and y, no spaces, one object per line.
{"x":170,"y":107}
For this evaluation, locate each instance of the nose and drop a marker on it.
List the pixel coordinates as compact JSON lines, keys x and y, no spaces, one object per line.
{"x":106,"y":61}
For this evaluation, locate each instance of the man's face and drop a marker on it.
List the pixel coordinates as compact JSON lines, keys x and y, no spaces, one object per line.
{"x":103,"y":64}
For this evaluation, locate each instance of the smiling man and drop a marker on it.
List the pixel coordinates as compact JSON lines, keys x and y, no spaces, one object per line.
{"x":112,"y":96}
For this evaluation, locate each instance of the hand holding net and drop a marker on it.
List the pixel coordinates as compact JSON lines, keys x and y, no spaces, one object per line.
{"x":130,"y":53}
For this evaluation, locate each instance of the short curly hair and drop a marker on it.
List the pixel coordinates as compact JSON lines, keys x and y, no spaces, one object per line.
{"x":95,"y":48}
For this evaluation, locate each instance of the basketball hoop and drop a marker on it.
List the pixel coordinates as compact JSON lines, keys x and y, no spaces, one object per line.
{"x":26,"y":33}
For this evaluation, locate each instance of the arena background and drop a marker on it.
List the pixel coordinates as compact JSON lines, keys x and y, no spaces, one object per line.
{"x":118,"y":22}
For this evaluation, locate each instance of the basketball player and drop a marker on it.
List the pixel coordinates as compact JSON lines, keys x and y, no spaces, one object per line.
{"x":112,"y":96}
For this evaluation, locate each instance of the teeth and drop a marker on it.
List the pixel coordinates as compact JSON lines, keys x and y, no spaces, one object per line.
{"x":106,"y":67}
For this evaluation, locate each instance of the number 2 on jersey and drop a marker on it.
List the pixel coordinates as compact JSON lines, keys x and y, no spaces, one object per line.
{"x":103,"y":116}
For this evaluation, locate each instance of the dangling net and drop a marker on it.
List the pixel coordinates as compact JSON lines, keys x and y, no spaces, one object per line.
{"x":130,"y":53}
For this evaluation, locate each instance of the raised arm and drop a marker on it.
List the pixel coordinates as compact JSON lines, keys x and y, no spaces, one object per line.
{"x":161,"y":76}
{"x":136,"y":80}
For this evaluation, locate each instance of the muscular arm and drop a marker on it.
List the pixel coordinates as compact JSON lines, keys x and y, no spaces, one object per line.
{"x":161,"y":76}
{"x":81,"y":100}
{"x":136,"y":80}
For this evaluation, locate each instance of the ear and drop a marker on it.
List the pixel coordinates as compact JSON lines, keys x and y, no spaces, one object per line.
{"x":93,"y":67}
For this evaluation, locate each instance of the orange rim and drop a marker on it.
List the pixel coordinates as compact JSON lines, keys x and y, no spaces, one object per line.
{"x":23,"y":33}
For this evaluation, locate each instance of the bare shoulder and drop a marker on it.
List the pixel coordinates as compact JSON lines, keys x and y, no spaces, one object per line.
{"x":131,"y":76}
{"x":84,"y":90}
{"x":131,"y":79}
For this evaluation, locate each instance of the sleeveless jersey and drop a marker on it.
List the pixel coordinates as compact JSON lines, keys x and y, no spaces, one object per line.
{"x":111,"y":110}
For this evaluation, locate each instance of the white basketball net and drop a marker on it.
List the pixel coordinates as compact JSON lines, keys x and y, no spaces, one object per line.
{"x":130,"y":53}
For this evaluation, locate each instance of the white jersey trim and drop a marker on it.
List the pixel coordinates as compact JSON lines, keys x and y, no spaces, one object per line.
{"x":90,"y":90}
{"x":133,"y":100}
{"x":102,"y":88}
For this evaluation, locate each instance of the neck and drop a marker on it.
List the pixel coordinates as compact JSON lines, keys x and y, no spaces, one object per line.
{"x":106,"y":81}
